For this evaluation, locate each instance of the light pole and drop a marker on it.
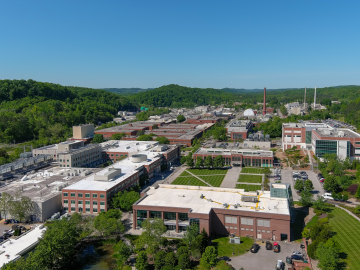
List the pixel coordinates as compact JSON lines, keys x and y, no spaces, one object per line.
{"x":233,"y":241}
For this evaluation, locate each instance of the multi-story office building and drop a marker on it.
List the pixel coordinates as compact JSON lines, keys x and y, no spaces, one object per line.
{"x":55,"y":149}
{"x":87,"y":156}
{"x":239,"y":130}
{"x":260,"y":214}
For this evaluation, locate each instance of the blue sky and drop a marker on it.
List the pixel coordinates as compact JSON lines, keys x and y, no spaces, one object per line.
{"x":237,"y":44}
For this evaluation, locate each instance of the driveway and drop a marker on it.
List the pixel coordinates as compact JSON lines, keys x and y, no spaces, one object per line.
{"x":286,"y":176}
{"x":265,"y":259}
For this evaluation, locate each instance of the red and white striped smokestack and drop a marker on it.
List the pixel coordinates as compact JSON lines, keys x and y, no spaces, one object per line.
{"x":264,"y":107}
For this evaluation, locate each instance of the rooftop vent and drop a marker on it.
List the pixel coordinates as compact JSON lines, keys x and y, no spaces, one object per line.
{"x":138,"y":158}
{"x":202,"y":196}
{"x":225,"y":205}
{"x":109,"y":175}
{"x":249,"y":199}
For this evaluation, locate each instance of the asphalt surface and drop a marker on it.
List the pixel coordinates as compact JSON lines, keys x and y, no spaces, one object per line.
{"x":265,"y":259}
{"x":286,"y":177}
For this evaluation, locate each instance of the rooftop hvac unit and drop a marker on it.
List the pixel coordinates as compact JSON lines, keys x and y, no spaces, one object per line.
{"x":225,"y":205}
{"x":267,"y":137}
{"x":249,"y":199}
{"x":127,"y":147}
{"x":341,"y":133}
{"x":202,"y":196}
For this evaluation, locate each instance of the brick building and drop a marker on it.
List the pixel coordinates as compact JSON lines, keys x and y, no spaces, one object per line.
{"x":261,"y":214}
{"x":239,"y":130}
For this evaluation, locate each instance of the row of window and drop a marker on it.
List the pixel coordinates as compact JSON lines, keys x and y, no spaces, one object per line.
{"x":86,"y":202}
{"x":73,"y":209}
{"x":87,"y":195}
{"x":247,"y":221}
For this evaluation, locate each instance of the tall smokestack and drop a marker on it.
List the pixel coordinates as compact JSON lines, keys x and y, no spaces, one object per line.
{"x":264,"y":107}
{"x":315,"y":98}
{"x":305,"y":98}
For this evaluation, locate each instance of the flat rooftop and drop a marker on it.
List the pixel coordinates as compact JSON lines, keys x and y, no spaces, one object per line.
{"x":127,"y":146}
{"x":190,"y":197}
{"x":234,"y":151}
{"x":10,"y":250}
{"x":337,"y":133}
{"x":43,"y":184}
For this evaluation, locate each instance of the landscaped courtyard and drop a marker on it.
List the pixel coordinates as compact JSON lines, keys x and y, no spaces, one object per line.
{"x":249,"y":178}
{"x":249,"y":187}
{"x":212,"y":177}
{"x":188,"y":180}
{"x":226,"y":249}
{"x":252,"y":170}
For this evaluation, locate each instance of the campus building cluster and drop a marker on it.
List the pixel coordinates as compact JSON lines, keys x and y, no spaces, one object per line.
{"x":260,"y":214}
{"x":321,"y":139}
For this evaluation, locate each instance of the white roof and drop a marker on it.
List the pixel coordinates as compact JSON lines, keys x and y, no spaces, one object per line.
{"x":14,"y":247}
{"x":190,"y":197}
{"x":128,"y":146}
{"x":249,"y":112}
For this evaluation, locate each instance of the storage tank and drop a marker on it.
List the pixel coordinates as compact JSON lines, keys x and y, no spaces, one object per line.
{"x":138,"y":158}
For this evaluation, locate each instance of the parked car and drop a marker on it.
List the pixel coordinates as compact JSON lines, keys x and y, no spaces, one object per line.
{"x":303,"y":173}
{"x":297,"y":253}
{"x":268,"y":245}
{"x":327,"y":194}
{"x":327,"y":197}
{"x":276,"y":247}
{"x":280,"y":265}
{"x":254,"y":248}
{"x":7,"y":221}
{"x":304,"y":177}
{"x":296,"y":177}
{"x":296,"y":257}
{"x":322,"y":180}
{"x":296,"y":173}
{"x":277,"y":177}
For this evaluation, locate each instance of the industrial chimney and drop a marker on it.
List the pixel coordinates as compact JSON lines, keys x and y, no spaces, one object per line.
{"x":305,"y":98}
{"x":264,"y":107}
{"x":315,"y":99}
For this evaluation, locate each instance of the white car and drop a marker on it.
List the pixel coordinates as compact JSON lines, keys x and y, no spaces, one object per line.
{"x":297,"y":253}
{"x":327,"y":194}
{"x":327,"y":197}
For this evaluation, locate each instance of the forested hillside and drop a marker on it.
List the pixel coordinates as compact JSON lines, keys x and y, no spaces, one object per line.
{"x":35,"y":110}
{"x":127,"y":91}
{"x":177,"y":96}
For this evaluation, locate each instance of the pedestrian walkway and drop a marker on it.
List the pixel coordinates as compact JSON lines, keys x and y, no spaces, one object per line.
{"x":231,"y":178}
{"x":355,"y":216}
{"x":199,"y":179}
{"x":310,"y":159}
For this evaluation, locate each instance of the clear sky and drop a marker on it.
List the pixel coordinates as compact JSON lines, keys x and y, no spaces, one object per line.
{"x":237,"y":44}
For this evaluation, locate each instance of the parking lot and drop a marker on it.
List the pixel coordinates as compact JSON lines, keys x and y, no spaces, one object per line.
{"x":287,"y":177}
{"x":265,"y":259}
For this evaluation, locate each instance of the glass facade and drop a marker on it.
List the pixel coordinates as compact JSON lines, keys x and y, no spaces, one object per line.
{"x":155,"y":214}
{"x":195,"y":221}
{"x":141,"y":214}
{"x":308,"y":137}
{"x":171,"y":227}
{"x":183,"y":216}
{"x":323,"y":147}
{"x":170,"y":215}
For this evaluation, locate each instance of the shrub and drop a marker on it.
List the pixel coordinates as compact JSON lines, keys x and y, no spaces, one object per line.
{"x":312,"y":249}
{"x":318,"y":212}
{"x":352,"y":189}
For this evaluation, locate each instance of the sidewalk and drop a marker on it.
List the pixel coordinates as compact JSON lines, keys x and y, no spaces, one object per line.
{"x":355,"y":216}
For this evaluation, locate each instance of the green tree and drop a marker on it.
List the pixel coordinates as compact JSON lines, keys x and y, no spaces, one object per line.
{"x":219,"y":162}
{"x":170,"y":260}
{"x":108,"y":223}
{"x":209,"y":258}
{"x":328,"y":257}
{"x":306,"y":233}
{"x":180,"y":118}
{"x":331,"y":184}
{"x":283,"y":110}
{"x":142,"y":261}
{"x":160,"y":260}
{"x":98,"y":138}
{"x":308,"y":185}
{"x":183,"y":159}
{"x":357,"y":194}
{"x":199,"y":162}
{"x":140,"y":132}
{"x":192,"y":232}
{"x":5,"y":203}
{"x":208,"y":162}
{"x":190,"y":162}
{"x":162,"y":140}
{"x":299,"y":185}
{"x":306,"y":198}
{"x":21,"y":207}
{"x":118,"y":136}
{"x":320,"y":204}
{"x":155,"y":126}
{"x":125,"y":200}
{"x":151,"y":237}
{"x":184,"y":261}
{"x":144,"y":138}
{"x":122,"y":253}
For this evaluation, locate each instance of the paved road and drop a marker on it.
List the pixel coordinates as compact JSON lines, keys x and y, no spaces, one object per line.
{"x":264,"y":259}
{"x":286,"y":176}
{"x":231,"y":177}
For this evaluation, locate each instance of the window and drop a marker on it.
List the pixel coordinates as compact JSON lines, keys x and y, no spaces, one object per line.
{"x":87,"y":195}
{"x":65,"y":194}
{"x":65,"y":208}
{"x":102,"y":210}
{"x":263,"y":223}
{"x":226,"y":227}
{"x":80,"y":195}
{"x":72,"y":208}
{"x":247,"y":229}
{"x":141,"y":214}
{"x":87,"y":202}
{"x":268,"y":231}
{"x":183,"y":216}
{"x":102,"y":195}
{"x":102,"y":203}
{"x":155,"y":214}
{"x":72,"y":201}
{"x":80,"y":202}
{"x":94,"y":202}
{"x":170,"y":215}
{"x":65,"y":201}
{"x":87,"y":209}
{"x":72,"y":194}
{"x":263,"y":231}
{"x":232,"y":220}
{"x":95,"y":210}
{"x":247,"y":221}
{"x":235,"y":228}
{"x":242,"y":229}
{"x":94,"y":195}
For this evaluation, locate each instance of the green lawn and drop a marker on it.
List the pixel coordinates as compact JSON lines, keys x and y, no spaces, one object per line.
{"x":347,"y":230}
{"x":312,"y":221}
{"x":225,"y":248}
{"x":214,"y":180}
{"x":206,"y":171}
{"x":249,"y":187}
{"x":185,"y":173}
{"x":246,"y":178}
{"x":189,"y":181}
{"x":252,"y":170}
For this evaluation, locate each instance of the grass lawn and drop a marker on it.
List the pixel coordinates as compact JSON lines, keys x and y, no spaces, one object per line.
{"x":185,"y":173}
{"x":252,"y":170}
{"x":225,"y":248}
{"x":249,"y":187}
{"x":189,"y":181}
{"x":312,"y":221}
{"x":214,"y":180}
{"x":246,"y":178}
{"x":347,"y":230}
{"x":206,"y":171}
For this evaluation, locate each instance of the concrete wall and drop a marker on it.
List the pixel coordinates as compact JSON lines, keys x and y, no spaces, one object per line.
{"x":83,"y":131}
{"x":50,"y":207}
